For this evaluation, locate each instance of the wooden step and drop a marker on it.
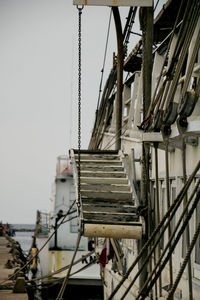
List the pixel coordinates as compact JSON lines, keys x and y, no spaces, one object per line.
{"x":103,"y":174}
{"x":105,"y":168}
{"x":101,"y":162}
{"x":105,"y":187}
{"x":106,"y":195}
{"x":109,"y":209}
{"x":97,"y":157}
{"x":102,"y":180}
{"x":109,"y":218}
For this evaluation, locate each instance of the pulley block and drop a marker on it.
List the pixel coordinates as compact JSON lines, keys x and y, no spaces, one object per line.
{"x":157,"y":122}
{"x":187,"y":105}
{"x":170,"y":114}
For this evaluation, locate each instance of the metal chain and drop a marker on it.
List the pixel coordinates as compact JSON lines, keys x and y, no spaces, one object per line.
{"x":79,"y":100}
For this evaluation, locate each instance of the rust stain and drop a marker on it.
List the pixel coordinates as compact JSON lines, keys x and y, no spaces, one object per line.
{"x":114,"y":2}
{"x":86,"y":2}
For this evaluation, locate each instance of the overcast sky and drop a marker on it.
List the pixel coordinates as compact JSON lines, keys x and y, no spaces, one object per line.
{"x":38,"y":95}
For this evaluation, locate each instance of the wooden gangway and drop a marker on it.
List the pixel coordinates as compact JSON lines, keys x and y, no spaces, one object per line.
{"x":106,"y":204}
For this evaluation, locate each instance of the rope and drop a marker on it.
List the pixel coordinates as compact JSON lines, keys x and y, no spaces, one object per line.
{"x":108,"y":144}
{"x":157,"y":242}
{"x":185,"y":223}
{"x":172,"y":209}
{"x":11,"y":277}
{"x":104,"y":59}
{"x":62,"y":269}
{"x":62,"y":290}
{"x":186,"y":259}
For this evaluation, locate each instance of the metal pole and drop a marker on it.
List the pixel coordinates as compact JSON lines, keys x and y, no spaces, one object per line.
{"x":146,"y":22}
{"x":120,"y":61}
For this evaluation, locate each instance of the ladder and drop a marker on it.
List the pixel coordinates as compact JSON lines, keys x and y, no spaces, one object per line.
{"x":106,"y":207}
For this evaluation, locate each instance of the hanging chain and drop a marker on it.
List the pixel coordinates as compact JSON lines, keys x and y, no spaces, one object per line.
{"x":79,"y":100}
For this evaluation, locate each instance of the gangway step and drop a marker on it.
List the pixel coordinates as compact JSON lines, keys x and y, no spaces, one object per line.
{"x":107,"y":206}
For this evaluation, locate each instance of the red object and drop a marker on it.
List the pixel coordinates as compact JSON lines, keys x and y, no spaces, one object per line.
{"x":106,"y":254}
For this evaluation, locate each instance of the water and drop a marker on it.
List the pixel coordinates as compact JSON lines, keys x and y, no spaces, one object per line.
{"x":73,"y":293}
{"x":25,"y":240}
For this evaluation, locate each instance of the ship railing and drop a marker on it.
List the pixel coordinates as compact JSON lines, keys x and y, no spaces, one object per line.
{"x":42,"y":223}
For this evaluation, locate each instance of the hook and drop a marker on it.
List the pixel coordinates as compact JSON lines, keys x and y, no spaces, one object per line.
{"x":80,"y":8}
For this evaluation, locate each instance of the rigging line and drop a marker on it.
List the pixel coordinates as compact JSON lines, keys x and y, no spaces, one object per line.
{"x":157,"y":209}
{"x":176,"y":240}
{"x":168,"y":245}
{"x":62,"y":269}
{"x":107,"y":145}
{"x":164,"y":61}
{"x":104,"y":59}
{"x":57,"y":280}
{"x":172,"y":209}
{"x":187,"y":231}
{"x":186,"y":260}
{"x":62,"y":290}
{"x":168,"y":203}
{"x":31,"y":259}
{"x":156,"y":5}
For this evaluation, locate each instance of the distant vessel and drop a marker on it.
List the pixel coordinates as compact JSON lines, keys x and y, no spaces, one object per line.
{"x":58,"y":252}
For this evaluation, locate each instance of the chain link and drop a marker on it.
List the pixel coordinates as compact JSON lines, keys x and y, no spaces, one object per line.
{"x":79,"y":100}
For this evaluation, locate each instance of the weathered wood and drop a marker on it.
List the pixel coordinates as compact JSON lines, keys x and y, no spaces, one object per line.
{"x":92,"y":152}
{"x":107,"y":195}
{"x":107,"y":203}
{"x":105,"y":187}
{"x":145,"y":3}
{"x":110,"y":218}
{"x":105,"y":162}
{"x":113,"y":231}
{"x":110,"y":168}
{"x":102,"y":180}
{"x":108,"y":209}
{"x":97,"y":157}
{"x":103,"y":174}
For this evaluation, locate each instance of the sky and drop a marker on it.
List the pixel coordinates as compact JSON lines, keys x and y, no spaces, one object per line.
{"x":38,"y":94}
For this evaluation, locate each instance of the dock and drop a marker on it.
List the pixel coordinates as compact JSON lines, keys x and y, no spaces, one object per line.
{"x":7,"y":294}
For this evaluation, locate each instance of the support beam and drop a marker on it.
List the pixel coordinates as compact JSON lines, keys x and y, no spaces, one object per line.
{"x":145,"y":3}
{"x":120,"y":63}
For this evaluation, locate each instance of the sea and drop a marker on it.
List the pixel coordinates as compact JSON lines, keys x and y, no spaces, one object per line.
{"x":25,"y":240}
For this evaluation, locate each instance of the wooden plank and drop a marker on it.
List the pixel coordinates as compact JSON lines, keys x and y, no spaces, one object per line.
{"x":109,"y":213}
{"x":97,"y":157}
{"x":105,"y":162}
{"x":103,"y":174}
{"x":109,"y":218}
{"x":144,"y":3}
{"x":109,"y":209}
{"x":107,"y":203}
{"x":96,"y":151}
{"x":109,"y":168}
{"x":102,"y":180}
{"x":105,"y":187}
{"x":113,"y":231}
{"x":105,"y":200}
{"x":106,"y":195}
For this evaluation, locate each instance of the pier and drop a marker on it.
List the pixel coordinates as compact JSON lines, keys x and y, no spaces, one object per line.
{"x":6,"y":291}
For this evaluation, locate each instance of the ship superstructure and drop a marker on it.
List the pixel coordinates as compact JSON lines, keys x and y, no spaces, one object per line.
{"x":143,"y":199}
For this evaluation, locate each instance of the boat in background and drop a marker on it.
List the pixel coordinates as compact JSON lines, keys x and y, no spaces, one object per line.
{"x":62,"y":226}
